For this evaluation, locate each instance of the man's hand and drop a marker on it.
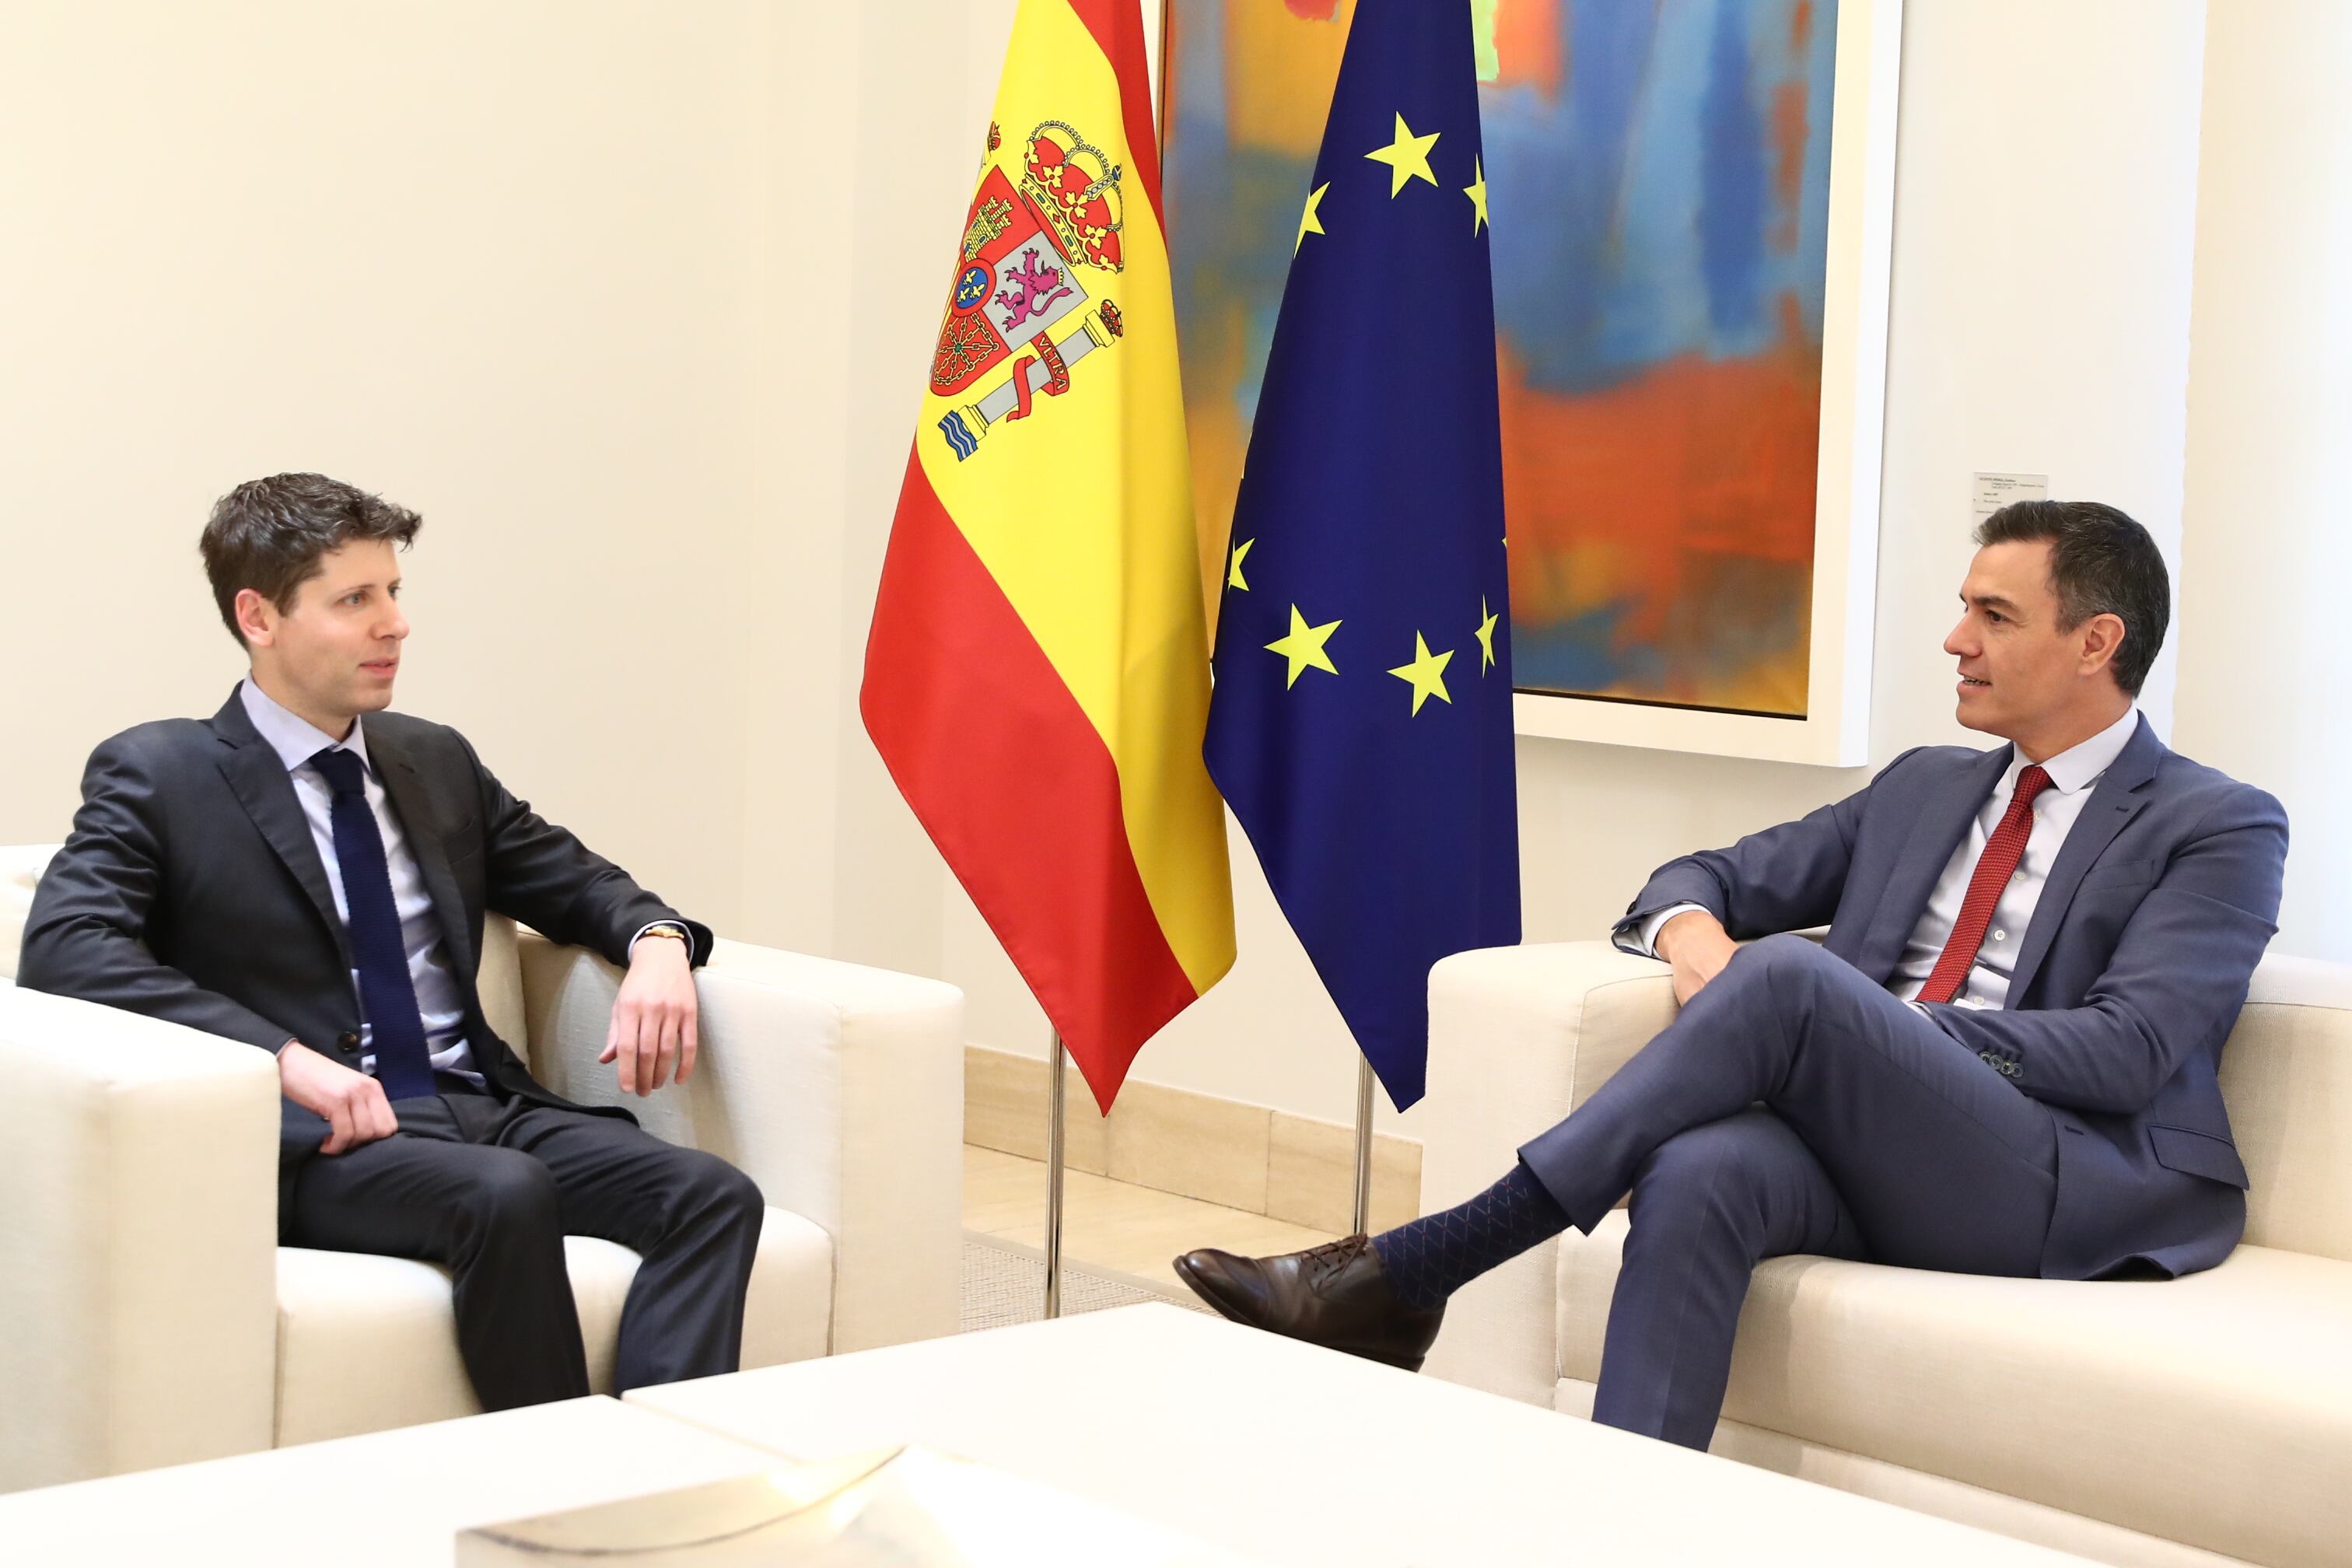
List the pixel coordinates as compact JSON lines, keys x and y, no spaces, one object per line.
{"x":654,"y":1021}
{"x":353,"y":1103}
{"x":1696,"y":943}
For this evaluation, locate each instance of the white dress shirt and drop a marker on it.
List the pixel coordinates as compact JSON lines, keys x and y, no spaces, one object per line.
{"x":2073,"y":773}
{"x":296,"y":741}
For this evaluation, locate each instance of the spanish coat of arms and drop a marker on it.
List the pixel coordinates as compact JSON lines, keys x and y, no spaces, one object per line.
{"x":1017,"y":283}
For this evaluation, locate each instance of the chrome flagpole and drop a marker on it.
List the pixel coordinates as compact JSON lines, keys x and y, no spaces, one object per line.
{"x":1056,"y":1116}
{"x":1363,"y":1145}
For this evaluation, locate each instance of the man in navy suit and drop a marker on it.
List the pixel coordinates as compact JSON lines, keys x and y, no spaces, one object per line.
{"x":2001,"y":1060}
{"x":307,"y":871}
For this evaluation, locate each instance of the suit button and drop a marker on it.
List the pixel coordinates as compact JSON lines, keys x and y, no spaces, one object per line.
{"x":348,"y":1041}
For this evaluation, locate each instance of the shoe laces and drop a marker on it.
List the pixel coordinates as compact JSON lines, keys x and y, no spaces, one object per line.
{"x":1322,"y":1262}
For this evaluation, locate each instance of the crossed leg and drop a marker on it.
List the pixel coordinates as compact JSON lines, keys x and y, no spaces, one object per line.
{"x":1878,"y":1136}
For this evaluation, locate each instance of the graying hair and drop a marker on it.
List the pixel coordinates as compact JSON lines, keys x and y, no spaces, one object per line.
{"x":2100,"y":564}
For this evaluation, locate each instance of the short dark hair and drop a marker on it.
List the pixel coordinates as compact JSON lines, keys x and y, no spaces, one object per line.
{"x":2100,"y":564}
{"x":268,"y":534}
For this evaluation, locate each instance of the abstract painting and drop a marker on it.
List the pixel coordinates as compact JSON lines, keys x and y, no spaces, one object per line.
{"x":1659,"y":179}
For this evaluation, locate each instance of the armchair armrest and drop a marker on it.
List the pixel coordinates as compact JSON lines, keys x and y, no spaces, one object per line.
{"x":1519,"y":1037}
{"x":138,"y":1242}
{"x":838,"y":1088}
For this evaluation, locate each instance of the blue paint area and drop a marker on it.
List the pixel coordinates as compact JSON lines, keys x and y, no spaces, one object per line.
{"x":1227,"y":261}
{"x":1634,"y":210}
{"x":1580,"y":655}
{"x":1206,"y":226}
{"x":1732,"y":155}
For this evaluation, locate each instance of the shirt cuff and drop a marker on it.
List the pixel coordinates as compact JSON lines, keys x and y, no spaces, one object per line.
{"x":1644,"y":938}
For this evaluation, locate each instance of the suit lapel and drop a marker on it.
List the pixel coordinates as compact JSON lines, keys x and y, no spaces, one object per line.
{"x":1942,"y":821}
{"x":426,"y":843}
{"x":258,"y":776}
{"x":2113,"y":801}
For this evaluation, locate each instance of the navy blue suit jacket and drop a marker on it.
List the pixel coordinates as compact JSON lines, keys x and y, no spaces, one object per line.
{"x":2125,"y":989}
{"x":191,"y":890}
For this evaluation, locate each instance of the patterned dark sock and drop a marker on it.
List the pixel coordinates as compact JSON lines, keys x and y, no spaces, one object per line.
{"x":1429,"y":1259}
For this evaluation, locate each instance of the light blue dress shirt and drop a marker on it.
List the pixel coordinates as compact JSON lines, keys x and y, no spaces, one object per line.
{"x":438,"y":997}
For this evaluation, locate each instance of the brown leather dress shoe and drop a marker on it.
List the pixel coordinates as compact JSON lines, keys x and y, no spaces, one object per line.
{"x":1335,"y":1295}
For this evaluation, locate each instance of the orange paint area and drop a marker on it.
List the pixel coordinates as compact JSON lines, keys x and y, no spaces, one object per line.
{"x":1278,"y":74}
{"x":1528,"y":45}
{"x":1691,"y":485}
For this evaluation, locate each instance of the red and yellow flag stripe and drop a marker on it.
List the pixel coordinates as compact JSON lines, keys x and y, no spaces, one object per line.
{"x":1036,"y":677}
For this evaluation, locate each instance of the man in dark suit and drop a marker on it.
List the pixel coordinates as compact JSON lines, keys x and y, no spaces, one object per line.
{"x":2001,"y":1060}
{"x":307,"y":872}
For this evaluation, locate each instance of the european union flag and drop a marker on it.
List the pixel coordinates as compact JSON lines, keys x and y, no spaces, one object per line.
{"x":1362,"y":724}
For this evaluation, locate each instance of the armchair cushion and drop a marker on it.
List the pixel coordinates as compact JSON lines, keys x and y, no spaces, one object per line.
{"x":2286,"y":1076}
{"x":2214,"y":1409}
{"x":337,"y":1310}
{"x":1518,"y":1037}
{"x":837,"y":1087}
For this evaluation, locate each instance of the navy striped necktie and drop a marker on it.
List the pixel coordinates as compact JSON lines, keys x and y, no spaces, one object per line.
{"x":402,"y":1065}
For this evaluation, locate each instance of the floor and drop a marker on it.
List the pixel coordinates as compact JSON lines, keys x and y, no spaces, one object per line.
{"x":1112,"y":1225}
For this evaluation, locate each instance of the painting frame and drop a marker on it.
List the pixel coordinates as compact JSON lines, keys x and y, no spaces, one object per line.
{"x":1834,"y":729}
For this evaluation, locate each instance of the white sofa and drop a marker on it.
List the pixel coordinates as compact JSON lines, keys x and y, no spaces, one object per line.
{"x":2194,"y":1421}
{"x":148,"y":1316}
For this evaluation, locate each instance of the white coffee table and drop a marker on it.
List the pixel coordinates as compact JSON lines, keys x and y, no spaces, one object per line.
{"x":389,"y":1498}
{"x":1293,"y":1454}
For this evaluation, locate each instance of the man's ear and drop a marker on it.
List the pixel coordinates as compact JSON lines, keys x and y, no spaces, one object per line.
{"x":2103,"y":638}
{"x":256,"y":617}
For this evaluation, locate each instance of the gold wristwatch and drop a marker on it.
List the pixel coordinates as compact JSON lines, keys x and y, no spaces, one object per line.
{"x":669,"y":928}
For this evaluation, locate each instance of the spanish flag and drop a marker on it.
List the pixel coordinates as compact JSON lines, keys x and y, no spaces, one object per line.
{"x":1037,"y":673}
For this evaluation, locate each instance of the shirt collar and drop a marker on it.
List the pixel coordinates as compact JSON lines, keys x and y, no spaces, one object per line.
{"x":2081,"y":765}
{"x":294,"y":737}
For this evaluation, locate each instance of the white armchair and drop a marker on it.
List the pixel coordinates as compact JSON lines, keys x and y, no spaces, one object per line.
{"x":2183,"y":1423}
{"x":148,"y":1316}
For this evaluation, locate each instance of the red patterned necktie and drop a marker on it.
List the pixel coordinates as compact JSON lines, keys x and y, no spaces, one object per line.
{"x":2003,"y":851}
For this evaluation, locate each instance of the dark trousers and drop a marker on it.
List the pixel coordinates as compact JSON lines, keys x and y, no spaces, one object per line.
{"x":1791,"y":1107}
{"x":491,"y":1188}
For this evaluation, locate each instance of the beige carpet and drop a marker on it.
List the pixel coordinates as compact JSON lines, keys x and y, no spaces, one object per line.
{"x":1005,"y":1283}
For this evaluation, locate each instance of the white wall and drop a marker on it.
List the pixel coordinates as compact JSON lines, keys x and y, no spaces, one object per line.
{"x":2270,"y":468}
{"x":493,"y":260}
{"x":2045,"y":196}
{"x":632,"y":303}
{"x":873,"y":157}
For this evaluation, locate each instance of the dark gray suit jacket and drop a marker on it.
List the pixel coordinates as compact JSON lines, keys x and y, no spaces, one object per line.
{"x":191,"y":890}
{"x":2127,"y":985}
